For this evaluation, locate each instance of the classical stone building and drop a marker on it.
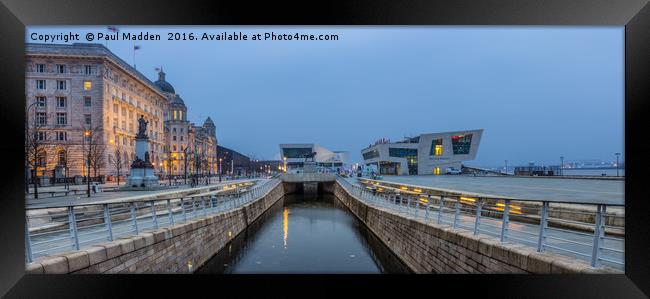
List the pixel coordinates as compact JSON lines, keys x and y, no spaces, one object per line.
{"x":73,"y":89}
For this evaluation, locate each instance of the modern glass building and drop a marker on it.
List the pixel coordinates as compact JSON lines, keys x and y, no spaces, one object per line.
{"x":425,"y":154}
{"x":325,"y":158}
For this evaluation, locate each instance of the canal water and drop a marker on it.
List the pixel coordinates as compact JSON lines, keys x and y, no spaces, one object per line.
{"x":305,"y":234}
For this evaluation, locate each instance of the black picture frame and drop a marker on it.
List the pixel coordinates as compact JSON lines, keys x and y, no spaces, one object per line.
{"x":633,"y":14}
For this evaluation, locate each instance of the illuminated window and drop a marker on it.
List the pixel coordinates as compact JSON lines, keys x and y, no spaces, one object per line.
{"x":180,"y":115}
{"x":88,"y":85}
{"x":436,"y":147}
{"x":175,"y":115}
{"x":436,"y":170}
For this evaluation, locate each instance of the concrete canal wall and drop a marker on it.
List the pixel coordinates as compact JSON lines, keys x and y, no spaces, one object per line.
{"x":430,"y":248}
{"x":181,"y":248}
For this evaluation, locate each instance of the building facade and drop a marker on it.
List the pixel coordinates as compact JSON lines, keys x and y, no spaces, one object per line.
{"x":294,"y":156}
{"x":424,"y":154}
{"x":83,"y":94}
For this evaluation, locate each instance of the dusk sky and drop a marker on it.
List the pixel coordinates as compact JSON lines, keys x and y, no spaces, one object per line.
{"x":538,"y":92}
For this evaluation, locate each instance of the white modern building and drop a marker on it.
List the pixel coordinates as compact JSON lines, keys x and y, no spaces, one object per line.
{"x":294,"y":156}
{"x":425,"y":154}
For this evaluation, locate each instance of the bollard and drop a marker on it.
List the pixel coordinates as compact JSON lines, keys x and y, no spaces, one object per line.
{"x":599,"y":232}
{"x":543,"y":225}
{"x":505,"y":220}
{"x":477,"y":223}
{"x":107,"y":220}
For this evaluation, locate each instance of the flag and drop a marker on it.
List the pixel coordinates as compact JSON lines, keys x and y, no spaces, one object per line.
{"x":112,"y":28}
{"x":136,"y":47}
{"x":157,"y":69}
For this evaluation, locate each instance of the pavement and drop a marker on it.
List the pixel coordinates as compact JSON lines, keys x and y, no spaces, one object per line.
{"x":113,"y":196}
{"x":578,"y":191}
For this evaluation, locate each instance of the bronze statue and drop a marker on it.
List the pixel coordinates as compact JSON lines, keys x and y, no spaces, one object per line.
{"x":142,"y":127}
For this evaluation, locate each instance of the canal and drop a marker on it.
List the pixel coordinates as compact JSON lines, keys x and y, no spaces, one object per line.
{"x":305,"y":234}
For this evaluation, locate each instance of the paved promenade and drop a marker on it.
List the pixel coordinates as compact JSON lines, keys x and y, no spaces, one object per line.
{"x":574,"y":190}
{"x":112,"y":196}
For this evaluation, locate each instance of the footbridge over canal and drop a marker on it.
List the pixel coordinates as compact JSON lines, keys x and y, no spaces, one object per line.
{"x":429,"y":234}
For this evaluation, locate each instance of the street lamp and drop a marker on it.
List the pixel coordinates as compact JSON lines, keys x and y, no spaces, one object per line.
{"x":285,"y":164}
{"x":220,"y":159}
{"x":561,"y":165}
{"x":88,"y":134}
{"x":617,"y":154}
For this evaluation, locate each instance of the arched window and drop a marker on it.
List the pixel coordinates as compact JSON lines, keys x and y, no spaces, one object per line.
{"x":41,"y":159}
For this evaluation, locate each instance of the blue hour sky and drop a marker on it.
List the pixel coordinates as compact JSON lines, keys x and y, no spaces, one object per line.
{"x":538,"y":92}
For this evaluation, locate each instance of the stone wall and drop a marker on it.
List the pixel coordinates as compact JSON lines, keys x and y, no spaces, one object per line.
{"x":431,"y":248}
{"x":181,"y":248}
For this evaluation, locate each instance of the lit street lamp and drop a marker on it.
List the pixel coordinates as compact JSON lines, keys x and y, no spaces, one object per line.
{"x":220,"y":159}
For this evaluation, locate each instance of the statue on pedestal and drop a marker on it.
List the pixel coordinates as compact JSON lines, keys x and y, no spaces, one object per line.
{"x":142,"y":127}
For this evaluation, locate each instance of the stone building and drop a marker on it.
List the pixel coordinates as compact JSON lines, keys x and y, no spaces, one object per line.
{"x":72,"y":89}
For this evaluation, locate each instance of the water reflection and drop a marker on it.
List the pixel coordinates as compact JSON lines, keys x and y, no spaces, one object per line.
{"x":325,"y":238}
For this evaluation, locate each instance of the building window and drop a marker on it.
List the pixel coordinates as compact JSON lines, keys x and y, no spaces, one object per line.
{"x":180,"y":115}
{"x":40,"y":68}
{"x":88,"y":69}
{"x":61,"y":118}
{"x":41,"y":159}
{"x":174,"y":130}
{"x":115,"y":109}
{"x":371,"y":154}
{"x":41,"y":136}
{"x":181,"y":137}
{"x":87,"y":102}
{"x":61,"y":85}
{"x":88,"y":85}
{"x":40,"y":84}
{"x":296,"y":152}
{"x":61,"y":136}
{"x":181,"y":130}
{"x":436,"y":147}
{"x":175,"y":115}
{"x":174,"y":138}
{"x":41,"y":102}
{"x":461,"y":144}
{"x":41,"y":118}
{"x":60,"y":68}
{"x":60,"y":102}
{"x":174,"y":147}
{"x":87,"y":119}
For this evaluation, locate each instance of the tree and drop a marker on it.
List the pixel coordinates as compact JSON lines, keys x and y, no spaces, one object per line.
{"x":96,"y":151}
{"x":118,"y":161}
{"x":36,"y":139}
{"x":64,"y":151}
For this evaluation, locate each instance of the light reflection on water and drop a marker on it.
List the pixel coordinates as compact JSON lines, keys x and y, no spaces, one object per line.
{"x":325,"y":238}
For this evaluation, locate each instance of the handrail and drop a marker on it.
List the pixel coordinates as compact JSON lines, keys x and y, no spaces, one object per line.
{"x":78,"y":226}
{"x":501,"y":218}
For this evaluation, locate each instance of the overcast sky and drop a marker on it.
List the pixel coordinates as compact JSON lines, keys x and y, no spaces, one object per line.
{"x":538,"y":92}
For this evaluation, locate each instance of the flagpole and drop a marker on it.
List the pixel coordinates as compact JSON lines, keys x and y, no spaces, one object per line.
{"x":134,"y":57}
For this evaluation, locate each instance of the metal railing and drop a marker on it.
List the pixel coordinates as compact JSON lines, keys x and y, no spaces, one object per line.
{"x":524,"y":222}
{"x":68,"y":228}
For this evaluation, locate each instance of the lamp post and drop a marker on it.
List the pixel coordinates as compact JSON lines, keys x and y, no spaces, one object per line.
{"x":88,"y":134}
{"x":220,"y":159}
{"x":285,"y":164}
{"x":561,"y":165}
{"x":506,"y":166}
{"x":617,"y":155}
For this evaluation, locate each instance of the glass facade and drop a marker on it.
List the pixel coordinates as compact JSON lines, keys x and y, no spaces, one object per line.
{"x":436,"y":147}
{"x":371,"y":154}
{"x":411,"y":156}
{"x":461,"y":144}
{"x":296,"y":152}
